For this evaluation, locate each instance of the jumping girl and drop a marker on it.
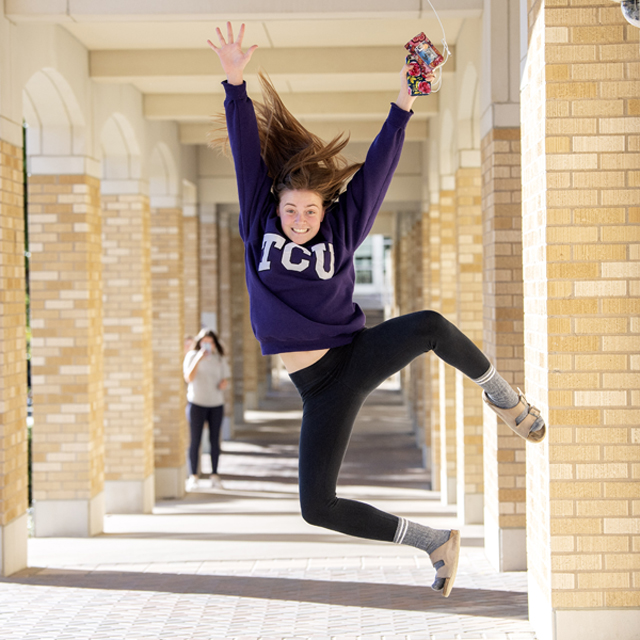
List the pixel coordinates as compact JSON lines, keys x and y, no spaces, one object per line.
{"x":301,"y":224}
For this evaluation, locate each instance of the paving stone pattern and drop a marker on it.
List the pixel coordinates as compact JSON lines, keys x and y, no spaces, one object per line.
{"x":240,"y":564}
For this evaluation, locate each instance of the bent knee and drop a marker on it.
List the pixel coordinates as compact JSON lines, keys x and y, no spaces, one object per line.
{"x":316,"y":512}
{"x":434,"y":322}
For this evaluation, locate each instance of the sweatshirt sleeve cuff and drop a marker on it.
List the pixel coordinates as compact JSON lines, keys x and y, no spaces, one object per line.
{"x":399,"y":117}
{"x":235,"y":91}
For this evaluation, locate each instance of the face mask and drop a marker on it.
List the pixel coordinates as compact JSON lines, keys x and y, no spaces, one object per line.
{"x":207,"y":346}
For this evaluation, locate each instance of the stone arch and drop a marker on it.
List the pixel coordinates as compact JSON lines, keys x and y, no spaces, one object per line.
{"x":163,"y":173}
{"x":54,"y":117}
{"x":447,"y":144}
{"x":469,"y":110}
{"x":120,"y":149}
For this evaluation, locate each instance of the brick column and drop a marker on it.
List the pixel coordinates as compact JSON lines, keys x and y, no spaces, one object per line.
{"x":447,"y":374}
{"x":237,"y":297}
{"x":208,"y":261}
{"x":426,"y":386}
{"x":67,"y":354}
{"x":128,"y":352}
{"x":470,"y":482}
{"x":434,"y":362}
{"x":13,"y":365}
{"x":225,"y":322}
{"x":191,"y":252}
{"x":582,"y":301}
{"x":417,"y":367}
{"x":503,"y":339}
{"x":169,"y":397}
{"x":251,"y":354}
{"x":504,"y":452}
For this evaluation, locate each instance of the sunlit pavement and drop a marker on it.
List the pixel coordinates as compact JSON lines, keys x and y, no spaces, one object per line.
{"x":240,"y":563}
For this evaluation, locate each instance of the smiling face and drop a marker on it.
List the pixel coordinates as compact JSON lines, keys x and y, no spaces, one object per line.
{"x":301,"y":213}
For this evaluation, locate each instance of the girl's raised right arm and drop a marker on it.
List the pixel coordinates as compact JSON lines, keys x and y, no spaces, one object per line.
{"x":254,"y":185}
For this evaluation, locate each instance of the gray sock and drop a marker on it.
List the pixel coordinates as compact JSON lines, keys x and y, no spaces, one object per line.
{"x":498,"y":389}
{"x":502,"y":395}
{"x":419,"y":536}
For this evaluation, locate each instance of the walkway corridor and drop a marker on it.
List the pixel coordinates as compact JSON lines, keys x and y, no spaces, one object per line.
{"x":240,"y":563}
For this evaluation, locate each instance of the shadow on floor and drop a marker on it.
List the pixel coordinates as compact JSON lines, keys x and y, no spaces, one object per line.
{"x":471,"y":602}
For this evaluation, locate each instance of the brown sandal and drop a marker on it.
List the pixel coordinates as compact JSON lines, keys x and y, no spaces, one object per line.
{"x":523,"y":428}
{"x":449,"y":552}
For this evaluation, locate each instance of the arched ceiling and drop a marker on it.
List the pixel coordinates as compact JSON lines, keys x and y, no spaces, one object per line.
{"x":335,"y":62}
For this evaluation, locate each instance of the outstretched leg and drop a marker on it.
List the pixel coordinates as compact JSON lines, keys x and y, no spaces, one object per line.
{"x":333,"y":390}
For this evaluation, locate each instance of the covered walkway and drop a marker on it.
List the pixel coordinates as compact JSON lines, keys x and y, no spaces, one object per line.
{"x":241,"y":563}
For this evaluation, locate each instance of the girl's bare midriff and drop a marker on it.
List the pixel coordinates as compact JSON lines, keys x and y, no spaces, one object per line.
{"x":296,"y":360}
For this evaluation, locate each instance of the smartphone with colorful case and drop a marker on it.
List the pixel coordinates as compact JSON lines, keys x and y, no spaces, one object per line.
{"x":423,"y":58}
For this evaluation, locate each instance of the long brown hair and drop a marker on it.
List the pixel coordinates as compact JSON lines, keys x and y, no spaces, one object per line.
{"x":295,"y":157}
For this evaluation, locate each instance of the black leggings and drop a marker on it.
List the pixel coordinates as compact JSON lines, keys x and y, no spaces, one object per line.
{"x":197,"y":416}
{"x":333,"y":390}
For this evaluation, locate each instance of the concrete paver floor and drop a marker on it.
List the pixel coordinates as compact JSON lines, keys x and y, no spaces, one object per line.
{"x":240,"y":563}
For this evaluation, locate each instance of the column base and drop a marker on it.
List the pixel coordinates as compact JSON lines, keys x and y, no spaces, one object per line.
{"x":227,"y":429}
{"x":13,"y":546}
{"x":448,"y":489}
{"x":250,"y":400}
{"x":129,"y":496}
{"x":581,"y":624}
{"x":426,"y":459}
{"x":169,"y":482}
{"x":471,"y":508}
{"x":506,"y":549}
{"x":69,"y":518}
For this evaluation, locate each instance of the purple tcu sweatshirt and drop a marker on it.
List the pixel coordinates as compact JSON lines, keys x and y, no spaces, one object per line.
{"x":302,"y":295}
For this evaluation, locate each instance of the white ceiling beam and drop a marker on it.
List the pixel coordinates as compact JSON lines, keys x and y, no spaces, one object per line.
{"x":372,"y":105}
{"x":182,"y":10}
{"x":127,"y":64}
{"x":417,"y":130}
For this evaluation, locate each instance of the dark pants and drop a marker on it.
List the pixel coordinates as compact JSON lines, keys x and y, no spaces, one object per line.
{"x":333,"y":390}
{"x":197,"y":416}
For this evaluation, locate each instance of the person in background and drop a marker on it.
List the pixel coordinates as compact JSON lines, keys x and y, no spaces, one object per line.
{"x":206,"y":372}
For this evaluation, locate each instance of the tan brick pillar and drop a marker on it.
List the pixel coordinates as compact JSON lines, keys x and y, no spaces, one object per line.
{"x":503,"y":339}
{"x":67,"y":354}
{"x":504,"y":452}
{"x":415,"y":265}
{"x":169,"y":395}
{"x":238,"y":301}
{"x":581,"y":234}
{"x":251,"y":357}
{"x":128,"y":353}
{"x":447,"y":374}
{"x":470,"y":481}
{"x":225,"y":321}
{"x":435,"y":303}
{"x":208,"y":261}
{"x":191,"y":253}
{"x":13,"y":365}
{"x":425,"y":386}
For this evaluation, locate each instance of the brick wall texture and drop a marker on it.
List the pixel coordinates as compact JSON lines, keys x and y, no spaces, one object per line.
{"x":191,"y":252}
{"x":435,"y":303}
{"x":448,"y":308}
{"x":67,"y":343}
{"x":167,"y":290}
{"x":503,"y":337}
{"x":581,"y":162}
{"x":13,"y":350}
{"x":469,"y":321}
{"x":208,"y":252}
{"x":128,"y":353}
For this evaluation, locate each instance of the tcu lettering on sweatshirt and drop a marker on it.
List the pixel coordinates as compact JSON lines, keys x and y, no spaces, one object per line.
{"x":301,"y":296}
